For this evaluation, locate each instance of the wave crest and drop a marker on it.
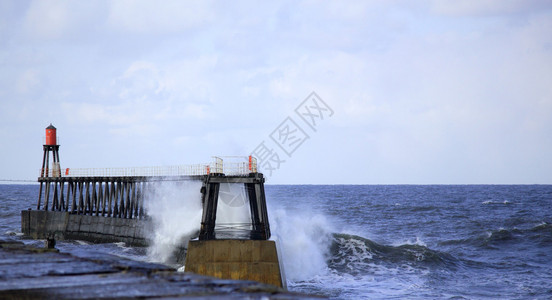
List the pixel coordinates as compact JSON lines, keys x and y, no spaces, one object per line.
{"x":355,"y":255}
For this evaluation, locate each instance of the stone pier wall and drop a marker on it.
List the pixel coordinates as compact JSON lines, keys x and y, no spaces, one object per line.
{"x":40,"y":224}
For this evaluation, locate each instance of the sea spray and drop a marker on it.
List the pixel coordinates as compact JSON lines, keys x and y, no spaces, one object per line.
{"x":175,"y":209}
{"x":305,"y":240}
{"x":233,"y":212}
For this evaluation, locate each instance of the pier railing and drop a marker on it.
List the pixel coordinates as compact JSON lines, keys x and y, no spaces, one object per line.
{"x":229,"y":165}
{"x":238,"y":165}
{"x":182,"y":170}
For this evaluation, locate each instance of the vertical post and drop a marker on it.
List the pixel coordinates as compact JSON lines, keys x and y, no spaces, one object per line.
{"x":57,"y":167}
{"x":105,"y":197}
{"x":128,"y":186}
{"x":94,"y":200}
{"x":39,"y":195}
{"x":257,"y":204}
{"x":61,"y":199}
{"x":145,"y":191}
{"x":87,"y":208}
{"x":130,"y":196}
{"x":81,"y":198}
{"x":203,"y":232}
{"x":265,"y":210}
{"x":47,"y":195}
{"x":256,"y":232}
{"x":100,"y":196}
{"x":113,"y":199}
{"x":116,"y":193}
{"x":44,"y":162}
{"x":55,"y":204}
{"x":122,"y":199}
{"x":122,"y":208}
{"x":133,"y":201}
{"x":71,"y":195}
{"x":47,"y":170}
{"x":139,"y":190}
{"x":74,"y":207}
{"x":210,"y":203}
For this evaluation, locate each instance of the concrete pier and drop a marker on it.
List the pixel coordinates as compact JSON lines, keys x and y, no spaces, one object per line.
{"x":236,"y":259}
{"x":40,"y":224}
{"x":236,"y":251}
{"x":28,"y":272}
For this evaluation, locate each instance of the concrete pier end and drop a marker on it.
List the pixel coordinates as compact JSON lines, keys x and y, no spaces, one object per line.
{"x":255,"y":260}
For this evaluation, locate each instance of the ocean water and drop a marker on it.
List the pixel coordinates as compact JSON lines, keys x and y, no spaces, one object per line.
{"x":387,"y":241}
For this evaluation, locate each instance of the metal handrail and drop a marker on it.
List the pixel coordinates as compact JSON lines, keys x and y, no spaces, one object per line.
{"x":239,"y":165}
{"x":219,"y":165}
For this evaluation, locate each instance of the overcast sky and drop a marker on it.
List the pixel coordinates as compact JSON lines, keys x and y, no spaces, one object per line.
{"x":409,"y":92}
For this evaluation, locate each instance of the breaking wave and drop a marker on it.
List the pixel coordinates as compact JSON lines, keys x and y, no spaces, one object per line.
{"x":356,"y":255}
{"x":175,"y":209}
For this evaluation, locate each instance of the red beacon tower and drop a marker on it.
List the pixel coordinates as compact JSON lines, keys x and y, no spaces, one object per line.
{"x":50,"y":145}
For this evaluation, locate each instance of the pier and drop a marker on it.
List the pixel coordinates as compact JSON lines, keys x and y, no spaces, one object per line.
{"x":30,"y":272}
{"x":108,"y":205}
{"x":111,"y":208}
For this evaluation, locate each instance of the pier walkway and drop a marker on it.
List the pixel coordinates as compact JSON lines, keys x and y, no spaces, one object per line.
{"x":29,"y":272}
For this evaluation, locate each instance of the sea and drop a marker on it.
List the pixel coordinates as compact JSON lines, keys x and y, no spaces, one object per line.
{"x":385,"y":241}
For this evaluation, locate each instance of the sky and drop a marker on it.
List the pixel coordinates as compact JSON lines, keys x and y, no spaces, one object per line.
{"x":322,"y":92}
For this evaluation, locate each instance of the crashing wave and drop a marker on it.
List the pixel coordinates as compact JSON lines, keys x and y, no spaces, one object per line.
{"x":354,"y":255}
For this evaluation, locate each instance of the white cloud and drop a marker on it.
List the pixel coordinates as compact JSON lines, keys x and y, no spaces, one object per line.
{"x":145,"y":100}
{"x":158,"y":17}
{"x":62,"y":19}
{"x":140,"y":81}
{"x":488,"y":7}
{"x":28,"y":81}
{"x":418,"y":88}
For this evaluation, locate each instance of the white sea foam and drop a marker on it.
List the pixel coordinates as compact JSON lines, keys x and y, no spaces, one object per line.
{"x":13,"y":233}
{"x":305,"y":241}
{"x":354,"y":253}
{"x":495,"y":202}
{"x":233,"y":207}
{"x":175,"y":209}
{"x":411,"y":241}
{"x":123,"y":246}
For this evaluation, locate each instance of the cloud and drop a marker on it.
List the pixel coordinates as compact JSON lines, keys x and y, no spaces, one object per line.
{"x":424,"y":86}
{"x":147,"y":17}
{"x":143,"y":100}
{"x":489,"y":7}
{"x":56,"y":20}
{"x":140,"y":81}
{"x":28,"y":81}
{"x":72,"y":21}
